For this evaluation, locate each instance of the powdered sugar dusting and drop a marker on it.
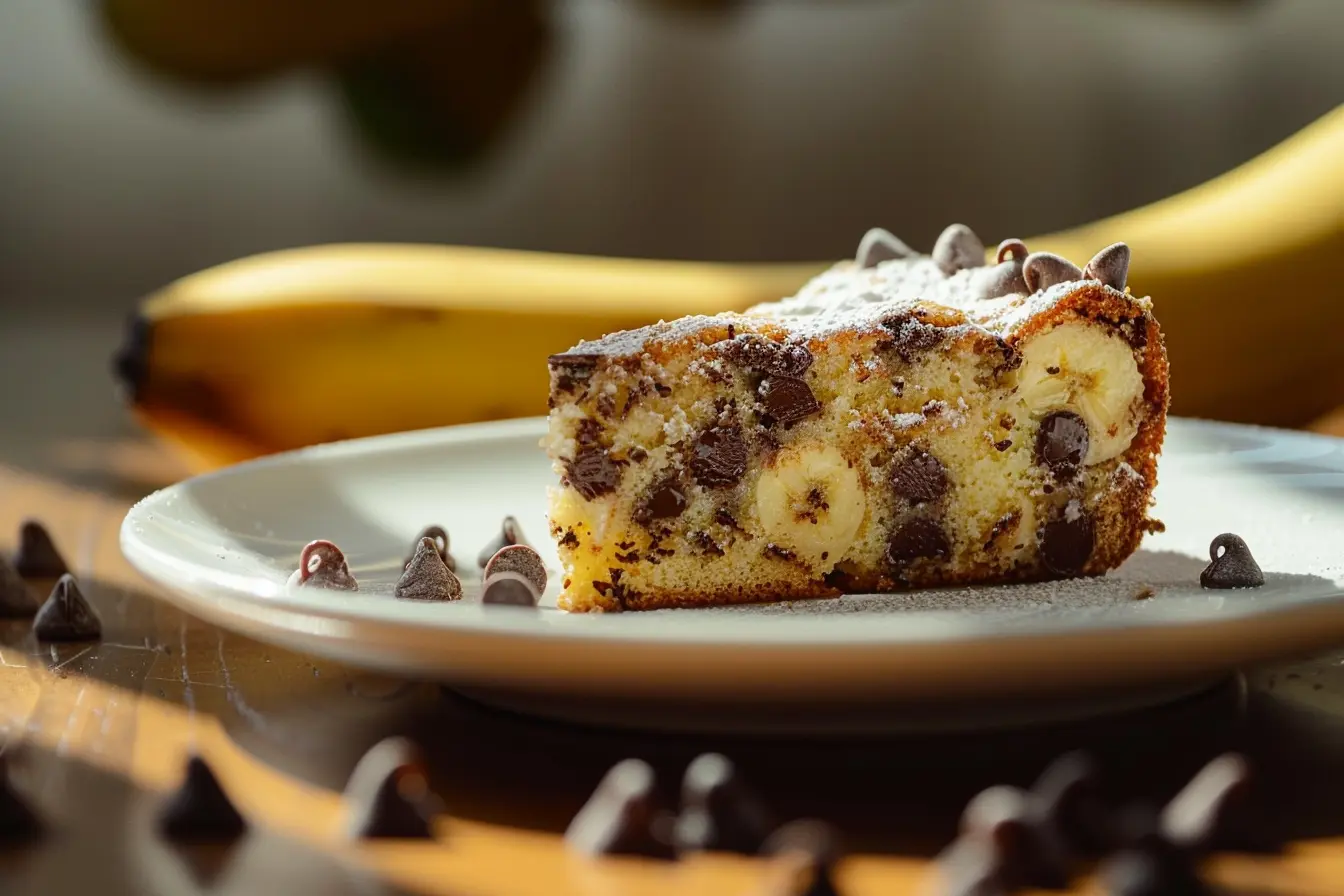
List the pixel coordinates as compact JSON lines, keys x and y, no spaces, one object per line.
{"x":1147,"y":575}
{"x":848,"y":297}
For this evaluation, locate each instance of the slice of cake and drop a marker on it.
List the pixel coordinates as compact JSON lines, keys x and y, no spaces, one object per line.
{"x":904,"y":421}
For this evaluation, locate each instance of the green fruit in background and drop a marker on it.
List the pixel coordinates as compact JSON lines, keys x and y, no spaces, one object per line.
{"x":440,"y":99}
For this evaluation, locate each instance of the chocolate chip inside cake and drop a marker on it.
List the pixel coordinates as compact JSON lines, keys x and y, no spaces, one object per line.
{"x":902,"y":422}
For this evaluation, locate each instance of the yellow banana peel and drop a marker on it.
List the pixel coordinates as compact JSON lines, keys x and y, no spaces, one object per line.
{"x":303,"y":346}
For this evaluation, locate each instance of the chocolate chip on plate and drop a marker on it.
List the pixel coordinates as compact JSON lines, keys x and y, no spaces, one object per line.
{"x":720,"y":457}
{"x":787,"y":400}
{"x":199,"y":811}
{"x":509,"y":589}
{"x":1066,"y":541}
{"x":919,"y":477}
{"x":1231,"y":565}
{"x":18,"y":822}
{"x":17,"y":600}
{"x":880,"y":245}
{"x":388,"y":794}
{"x":67,"y":614}
{"x":718,"y":811}
{"x":593,"y":472}
{"x":916,"y":539}
{"x":1110,"y":266}
{"x":439,"y":536}
{"x":618,"y":818}
{"x":427,"y":577}
{"x":806,"y":852}
{"x":1061,"y":443}
{"x":509,"y":533}
{"x":957,"y":248}
{"x":520,"y":559}
{"x":322,"y":565}
{"x":1043,"y":270}
{"x":37,"y":557}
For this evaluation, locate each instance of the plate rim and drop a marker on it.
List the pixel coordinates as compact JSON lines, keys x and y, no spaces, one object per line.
{"x":189,"y":584}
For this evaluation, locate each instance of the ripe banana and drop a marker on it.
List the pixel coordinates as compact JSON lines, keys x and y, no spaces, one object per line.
{"x":811,"y":502}
{"x":292,"y":348}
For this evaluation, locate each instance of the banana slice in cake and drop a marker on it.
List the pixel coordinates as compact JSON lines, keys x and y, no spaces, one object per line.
{"x":1084,"y":368}
{"x":811,"y":502}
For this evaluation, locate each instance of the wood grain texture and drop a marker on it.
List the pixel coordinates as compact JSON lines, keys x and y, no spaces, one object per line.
{"x":97,"y":733}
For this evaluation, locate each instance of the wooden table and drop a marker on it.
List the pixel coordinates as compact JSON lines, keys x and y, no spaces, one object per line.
{"x":97,"y":732}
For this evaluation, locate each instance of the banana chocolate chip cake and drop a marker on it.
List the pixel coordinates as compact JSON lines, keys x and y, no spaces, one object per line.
{"x":904,"y":421}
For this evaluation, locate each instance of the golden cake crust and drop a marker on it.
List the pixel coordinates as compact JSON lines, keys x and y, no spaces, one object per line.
{"x":887,"y":379}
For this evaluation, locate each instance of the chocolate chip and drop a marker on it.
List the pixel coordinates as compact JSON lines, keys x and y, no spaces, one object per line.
{"x":520,"y":559}
{"x":665,"y":501}
{"x":971,"y":866}
{"x":427,"y":577}
{"x":806,"y":852}
{"x":1043,"y":270}
{"x":18,"y":822}
{"x":720,"y":458}
{"x":67,"y":615}
{"x":767,"y":358}
{"x":911,"y":336}
{"x":879,"y":245}
{"x":199,"y":811}
{"x":1136,"y":872}
{"x":1066,"y":541}
{"x":509,"y":533}
{"x":705,"y":542}
{"x":1067,"y":797}
{"x":919,"y":477}
{"x":1211,"y":811}
{"x":1026,"y":851}
{"x":787,"y":400}
{"x":1011,"y":248}
{"x":592,"y":473}
{"x":17,"y":600}
{"x":958,"y":247}
{"x":1110,"y":266}
{"x":1003,"y":279}
{"x":509,"y":589}
{"x":618,"y":818}
{"x":570,"y":371}
{"x":388,"y":795}
{"x":916,"y":539}
{"x":37,"y":557}
{"x":322,"y":565}
{"x":1231,"y":565}
{"x":1061,"y":443}
{"x":439,"y":536}
{"x":718,"y":811}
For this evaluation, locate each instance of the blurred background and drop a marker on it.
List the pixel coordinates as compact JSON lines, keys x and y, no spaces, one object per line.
{"x":145,"y":139}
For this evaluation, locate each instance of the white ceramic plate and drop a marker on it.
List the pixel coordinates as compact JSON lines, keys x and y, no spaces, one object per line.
{"x":223,"y":545}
